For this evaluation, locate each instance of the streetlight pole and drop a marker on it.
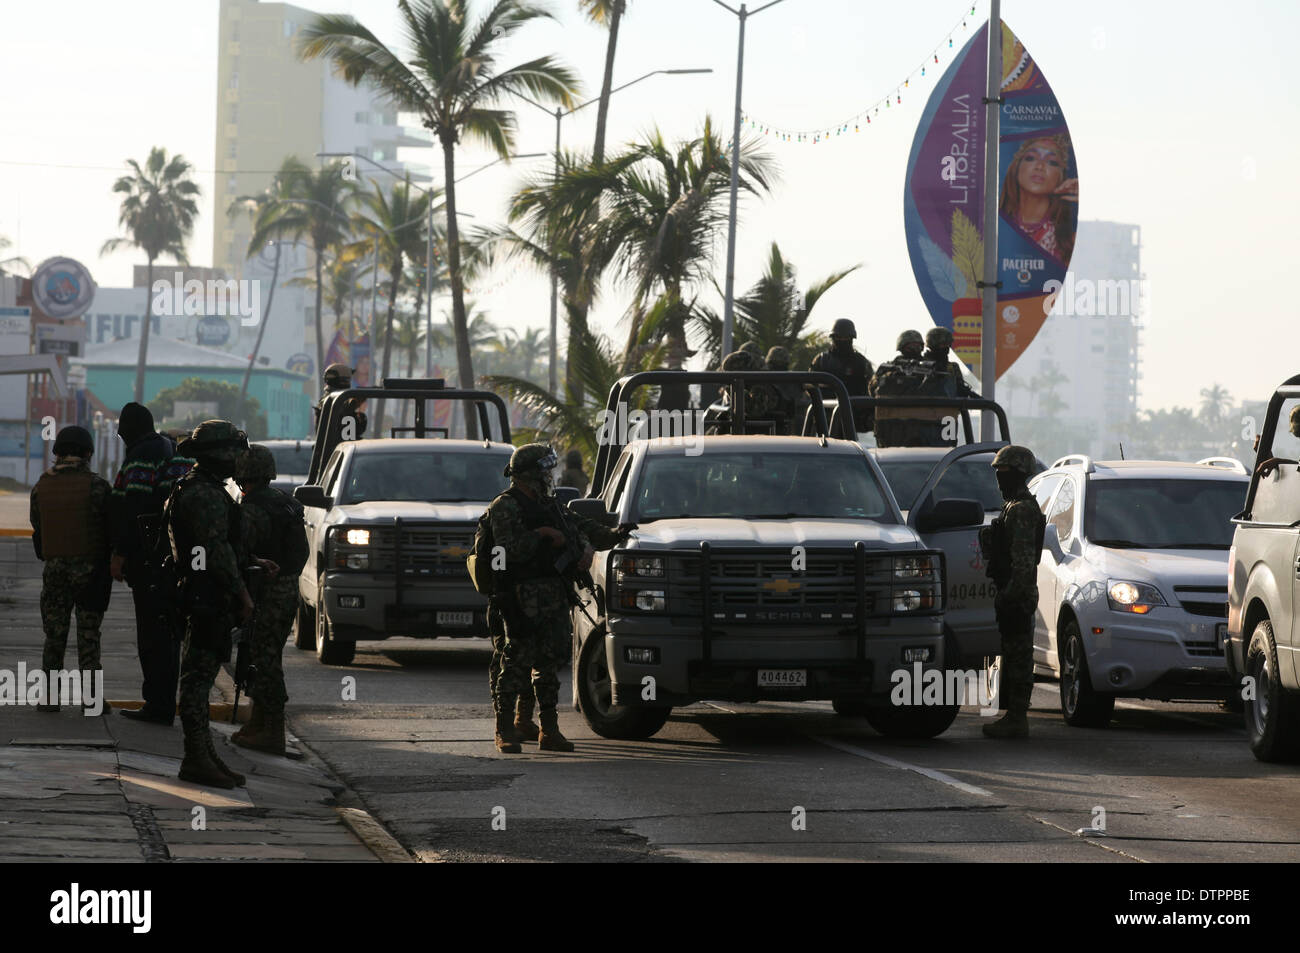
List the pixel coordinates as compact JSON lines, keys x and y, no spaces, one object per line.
{"x":559,"y":115}
{"x":728,"y":303}
{"x":988,"y":287}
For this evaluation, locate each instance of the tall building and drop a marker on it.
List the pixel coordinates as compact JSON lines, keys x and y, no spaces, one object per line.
{"x":1079,"y":379}
{"x":271,"y":105}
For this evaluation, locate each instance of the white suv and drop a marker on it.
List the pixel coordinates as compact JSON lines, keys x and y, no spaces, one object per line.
{"x":1133,"y":580}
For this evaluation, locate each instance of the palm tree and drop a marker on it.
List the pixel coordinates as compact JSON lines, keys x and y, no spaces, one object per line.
{"x":452,"y":80}
{"x":664,"y":209}
{"x":158,"y":213}
{"x":773,"y":312}
{"x":606,"y":13}
{"x":311,"y":205}
{"x":1215,"y":402}
{"x":396,"y":221}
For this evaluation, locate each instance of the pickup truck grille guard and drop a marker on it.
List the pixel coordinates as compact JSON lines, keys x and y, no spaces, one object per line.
{"x":757,"y":586}
{"x":419,"y":551}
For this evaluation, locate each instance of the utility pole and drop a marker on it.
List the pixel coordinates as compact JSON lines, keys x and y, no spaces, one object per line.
{"x":989,"y":286}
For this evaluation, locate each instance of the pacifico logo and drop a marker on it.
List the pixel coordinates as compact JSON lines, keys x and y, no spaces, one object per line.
{"x":75,"y":907}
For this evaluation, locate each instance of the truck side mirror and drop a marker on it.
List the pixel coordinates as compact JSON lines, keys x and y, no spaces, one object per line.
{"x":950,"y":514}
{"x":594,"y":509}
{"x":312,"y":495}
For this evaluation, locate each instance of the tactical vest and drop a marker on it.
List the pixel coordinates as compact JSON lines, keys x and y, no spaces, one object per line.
{"x":182,"y":542}
{"x":855,"y":371}
{"x":63,"y":498}
{"x":536,"y":514}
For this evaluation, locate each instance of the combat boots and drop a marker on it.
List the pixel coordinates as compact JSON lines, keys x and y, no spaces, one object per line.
{"x":549,"y":737}
{"x":269,"y":736}
{"x":524,"y":725}
{"x":254,"y":727}
{"x":507,"y":741}
{"x":234,"y":776}
{"x":1014,"y":724}
{"x":198,"y":766}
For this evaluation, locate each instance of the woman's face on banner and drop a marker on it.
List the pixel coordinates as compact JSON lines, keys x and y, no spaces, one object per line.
{"x":1042,"y":168}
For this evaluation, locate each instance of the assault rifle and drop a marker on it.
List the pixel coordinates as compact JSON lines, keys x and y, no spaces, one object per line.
{"x":242,"y":638}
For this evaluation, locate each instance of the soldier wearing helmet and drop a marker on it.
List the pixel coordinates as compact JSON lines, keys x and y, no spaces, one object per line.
{"x":1011,"y":545}
{"x":203,"y":529}
{"x":338,"y":377}
{"x":531,"y":598}
{"x":271,"y":529}
{"x":948,"y":377}
{"x":905,"y":375}
{"x":70,"y":531}
{"x":846,"y":363}
{"x":573,"y":475}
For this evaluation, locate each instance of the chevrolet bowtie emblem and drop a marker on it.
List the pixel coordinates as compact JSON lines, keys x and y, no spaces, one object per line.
{"x":781,"y":585}
{"x":454,"y":551}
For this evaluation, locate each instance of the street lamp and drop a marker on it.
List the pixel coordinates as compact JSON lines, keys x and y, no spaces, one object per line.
{"x":559,"y":114}
{"x":729,"y":299}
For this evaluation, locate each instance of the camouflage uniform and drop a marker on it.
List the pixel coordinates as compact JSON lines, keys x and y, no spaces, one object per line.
{"x":903,"y":376}
{"x":535,"y":603}
{"x":70,"y":532}
{"x":949,"y":379}
{"x":338,"y":377}
{"x":201,"y":515}
{"x":842,"y":361}
{"x":1012,"y":546}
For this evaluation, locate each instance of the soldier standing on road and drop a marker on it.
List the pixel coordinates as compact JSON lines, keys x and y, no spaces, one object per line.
{"x":1011,"y":545}
{"x":573,"y":475}
{"x":203,"y":527}
{"x":531,"y":529}
{"x":69,"y":515}
{"x":150,"y":468}
{"x":272,"y":529}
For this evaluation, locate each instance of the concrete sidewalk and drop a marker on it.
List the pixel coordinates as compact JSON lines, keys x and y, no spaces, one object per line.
{"x":78,"y":788}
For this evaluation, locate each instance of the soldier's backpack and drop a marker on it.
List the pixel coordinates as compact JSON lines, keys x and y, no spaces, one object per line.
{"x":288,"y":532}
{"x":479,"y":560}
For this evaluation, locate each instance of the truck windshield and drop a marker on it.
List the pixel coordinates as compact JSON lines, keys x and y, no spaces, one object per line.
{"x":1162,"y":514}
{"x":744,"y":485}
{"x":292,"y":460}
{"x":423,"y":477}
{"x":970,"y":478}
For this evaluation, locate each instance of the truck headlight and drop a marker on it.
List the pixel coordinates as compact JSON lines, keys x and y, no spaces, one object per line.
{"x":357,"y":537}
{"x":359,"y":561}
{"x":1138,"y":597}
{"x":915,"y":567}
{"x":643,"y":600}
{"x":920,"y":599}
{"x":632,"y":564}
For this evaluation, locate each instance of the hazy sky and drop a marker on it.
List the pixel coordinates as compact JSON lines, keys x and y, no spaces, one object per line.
{"x":1183,"y":116}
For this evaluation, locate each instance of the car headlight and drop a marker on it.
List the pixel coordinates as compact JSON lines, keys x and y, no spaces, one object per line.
{"x":357,"y":537}
{"x":633,"y":564}
{"x":1137,"y":597}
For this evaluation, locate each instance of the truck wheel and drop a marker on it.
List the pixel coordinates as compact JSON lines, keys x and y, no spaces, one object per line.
{"x":911,"y":721}
{"x":606,"y":719}
{"x":304,"y":627}
{"x":1081,"y":704}
{"x":327,"y":650}
{"x":1273,"y":714}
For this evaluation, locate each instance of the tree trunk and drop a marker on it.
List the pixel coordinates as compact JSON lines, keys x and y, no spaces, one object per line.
{"x":266,"y":316}
{"x":388,"y":338}
{"x":602,"y":111}
{"x":460,"y":326}
{"x":320,"y":322}
{"x":143,"y":356}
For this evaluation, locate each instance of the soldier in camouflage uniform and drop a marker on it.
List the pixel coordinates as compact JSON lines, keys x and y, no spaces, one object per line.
{"x":786,"y":398}
{"x":938,"y":345}
{"x":902,"y":376}
{"x":69,"y":515}
{"x":203,"y":528}
{"x":573,"y":475}
{"x":753,"y":349}
{"x":1011,"y":546}
{"x":842,"y":360}
{"x":338,"y":377}
{"x":268,"y":516}
{"x":531,"y":529}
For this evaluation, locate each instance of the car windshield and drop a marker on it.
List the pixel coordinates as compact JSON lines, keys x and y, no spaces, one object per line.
{"x":290,"y":461}
{"x":970,"y":478}
{"x":756,"y":485}
{"x":1162,"y":514}
{"x":423,"y":477}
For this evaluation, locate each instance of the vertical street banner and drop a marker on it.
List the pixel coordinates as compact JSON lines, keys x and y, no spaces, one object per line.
{"x":1038,"y":195}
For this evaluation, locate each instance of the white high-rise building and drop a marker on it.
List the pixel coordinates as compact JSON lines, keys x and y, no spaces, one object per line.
{"x":1082,"y":370}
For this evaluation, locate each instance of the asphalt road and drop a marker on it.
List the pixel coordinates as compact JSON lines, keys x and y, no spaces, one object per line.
{"x":732,"y":782}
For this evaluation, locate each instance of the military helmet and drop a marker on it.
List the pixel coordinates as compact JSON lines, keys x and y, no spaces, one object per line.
{"x":338,"y":376}
{"x":739,"y":361}
{"x":843,"y":328}
{"x":255,"y":465}
{"x":74,"y":441}
{"x":219,"y":439}
{"x":1017,"y":458}
{"x":1295,"y":420}
{"x":909,"y":337}
{"x":752,"y":348}
{"x":530,"y":457}
{"x":940,"y":339}
{"x":777,"y":355}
